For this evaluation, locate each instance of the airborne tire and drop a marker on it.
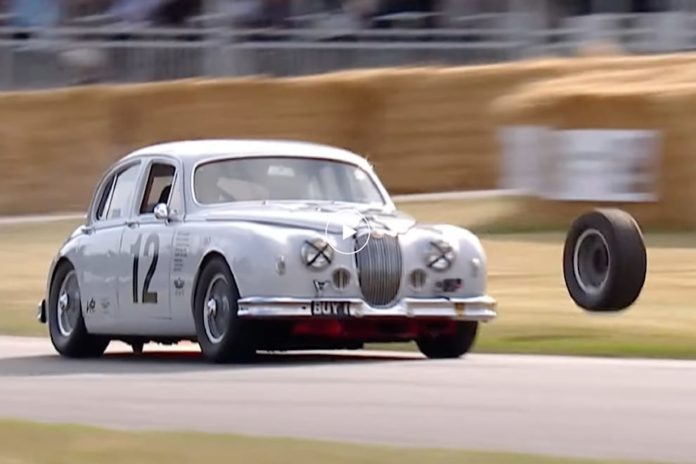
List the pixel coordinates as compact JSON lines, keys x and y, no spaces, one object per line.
{"x":220,"y":333}
{"x":450,"y":346}
{"x":66,"y":324}
{"x":604,"y":260}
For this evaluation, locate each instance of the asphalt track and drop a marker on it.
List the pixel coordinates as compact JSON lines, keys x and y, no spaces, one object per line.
{"x":599,"y":408}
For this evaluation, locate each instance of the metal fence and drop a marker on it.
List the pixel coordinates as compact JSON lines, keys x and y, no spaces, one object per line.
{"x":49,"y":58}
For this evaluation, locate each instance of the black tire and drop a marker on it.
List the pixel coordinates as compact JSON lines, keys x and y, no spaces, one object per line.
{"x":604,"y":260}
{"x":450,"y":346}
{"x":225,"y":341}
{"x":71,"y":339}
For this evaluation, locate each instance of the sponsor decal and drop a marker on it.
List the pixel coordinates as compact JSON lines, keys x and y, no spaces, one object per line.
{"x":178,"y":286}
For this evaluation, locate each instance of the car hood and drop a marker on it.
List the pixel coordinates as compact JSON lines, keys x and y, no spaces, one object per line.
{"x":316,"y":217}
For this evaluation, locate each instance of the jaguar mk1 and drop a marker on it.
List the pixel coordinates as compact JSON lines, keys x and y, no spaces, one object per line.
{"x":247,"y":245}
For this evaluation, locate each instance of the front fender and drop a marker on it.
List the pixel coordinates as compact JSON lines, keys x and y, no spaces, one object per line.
{"x":470,"y":263}
{"x":66,"y":251}
{"x":265,"y":259}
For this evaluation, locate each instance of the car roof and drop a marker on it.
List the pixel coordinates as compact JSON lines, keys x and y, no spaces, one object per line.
{"x":194,"y":151}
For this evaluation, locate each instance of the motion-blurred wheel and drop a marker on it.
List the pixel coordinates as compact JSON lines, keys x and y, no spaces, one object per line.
{"x":450,"y":346}
{"x":604,"y":260}
{"x":66,"y":325}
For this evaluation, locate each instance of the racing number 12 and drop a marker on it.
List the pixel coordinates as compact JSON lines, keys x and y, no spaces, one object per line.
{"x":151,"y":242}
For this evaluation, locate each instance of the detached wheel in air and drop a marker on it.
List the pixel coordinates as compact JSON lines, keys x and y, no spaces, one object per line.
{"x":452,"y":345}
{"x":66,"y":325}
{"x":219,"y":331}
{"x":604,"y":260}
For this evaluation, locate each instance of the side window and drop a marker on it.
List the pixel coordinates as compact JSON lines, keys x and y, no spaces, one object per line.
{"x":158,"y":187}
{"x":122,"y":195}
{"x":176,"y":200}
{"x":104,"y":199}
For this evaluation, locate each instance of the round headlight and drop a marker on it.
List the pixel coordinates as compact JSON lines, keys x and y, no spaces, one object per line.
{"x":440,"y":255}
{"x":317,"y":253}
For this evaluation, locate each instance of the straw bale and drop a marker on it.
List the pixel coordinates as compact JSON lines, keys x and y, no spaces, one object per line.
{"x":646,"y":105}
{"x":318,"y":110}
{"x":425,"y":129}
{"x":53,"y":145}
{"x":433,"y":130}
{"x":528,"y":102}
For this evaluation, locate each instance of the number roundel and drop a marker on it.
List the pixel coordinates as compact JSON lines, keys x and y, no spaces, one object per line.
{"x":152,"y":242}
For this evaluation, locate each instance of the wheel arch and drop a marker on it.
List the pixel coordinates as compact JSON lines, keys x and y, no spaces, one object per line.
{"x":207,"y":258}
{"x":61,"y":261}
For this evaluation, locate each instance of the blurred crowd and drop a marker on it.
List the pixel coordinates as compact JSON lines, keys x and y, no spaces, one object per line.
{"x":289,"y":13}
{"x":52,"y":13}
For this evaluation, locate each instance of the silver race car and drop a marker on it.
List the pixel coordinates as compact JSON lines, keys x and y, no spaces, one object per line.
{"x":261,"y":245}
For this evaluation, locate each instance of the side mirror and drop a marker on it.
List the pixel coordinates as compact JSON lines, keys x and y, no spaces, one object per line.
{"x":161,"y":212}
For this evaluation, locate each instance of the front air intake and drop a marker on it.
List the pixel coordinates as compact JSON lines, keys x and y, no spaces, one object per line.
{"x":379,"y":267}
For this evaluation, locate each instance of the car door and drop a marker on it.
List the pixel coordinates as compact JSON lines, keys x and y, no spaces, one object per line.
{"x":144,"y":292}
{"x":99,"y":266}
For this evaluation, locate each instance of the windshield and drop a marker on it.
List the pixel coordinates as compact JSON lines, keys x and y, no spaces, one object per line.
{"x":283,"y":179}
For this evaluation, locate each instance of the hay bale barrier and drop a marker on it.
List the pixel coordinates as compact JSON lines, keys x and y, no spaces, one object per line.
{"x":425,"y":129}
{"x":644,"y":99}
{"x":315,"y":110}
{"x":433,"y":130}
{"x":53,"y":147}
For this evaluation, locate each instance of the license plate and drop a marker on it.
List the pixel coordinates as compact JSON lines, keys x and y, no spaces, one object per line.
{"x":330,"y":308}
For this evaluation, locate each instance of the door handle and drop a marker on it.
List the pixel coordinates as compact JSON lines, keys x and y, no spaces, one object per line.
{"x":132,"y":224}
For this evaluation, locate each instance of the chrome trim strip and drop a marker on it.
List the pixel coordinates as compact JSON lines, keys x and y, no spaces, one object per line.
{"x":481,"y":308}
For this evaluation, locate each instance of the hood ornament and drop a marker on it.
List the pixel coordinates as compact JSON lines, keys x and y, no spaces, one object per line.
{"x":377,"y":233}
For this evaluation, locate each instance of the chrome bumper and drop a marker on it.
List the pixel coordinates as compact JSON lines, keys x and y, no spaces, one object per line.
{"x":481,"y":308}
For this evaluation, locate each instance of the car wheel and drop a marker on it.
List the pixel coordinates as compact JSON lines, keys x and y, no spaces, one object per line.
{"x":66,"y":323}
{"x":604,"y":260}
{"x":450,"y":346}
{"x":219,"y":331}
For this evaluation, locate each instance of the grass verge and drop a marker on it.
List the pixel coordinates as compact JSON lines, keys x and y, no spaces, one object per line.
{"x":25,"y":443}
{"x":535,"y":312}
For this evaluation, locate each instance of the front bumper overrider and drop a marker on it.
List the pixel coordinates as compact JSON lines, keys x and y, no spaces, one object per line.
{"x":41,"y":315}
{"x":482,"y":308}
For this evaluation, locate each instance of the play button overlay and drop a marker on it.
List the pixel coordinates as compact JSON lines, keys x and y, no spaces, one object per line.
{"x":343,"y":227}
{"x":348,"y":232}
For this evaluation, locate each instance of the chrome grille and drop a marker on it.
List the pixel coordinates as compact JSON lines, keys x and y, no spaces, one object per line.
{"x":379,"y":267}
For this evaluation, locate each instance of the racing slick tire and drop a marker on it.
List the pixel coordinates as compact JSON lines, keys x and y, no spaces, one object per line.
{"x":66,"y":324}
{"x":452,"y":345}
{"x":604,"y":260}
{"x":219,"y":331}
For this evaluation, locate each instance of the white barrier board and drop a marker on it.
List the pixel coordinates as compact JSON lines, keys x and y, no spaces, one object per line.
{"x":582,"y":164}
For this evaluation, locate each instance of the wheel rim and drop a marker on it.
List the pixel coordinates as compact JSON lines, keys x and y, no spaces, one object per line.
{"x":69,"y":304}
{"x":591,"y":261}
{"x":217,"y":309}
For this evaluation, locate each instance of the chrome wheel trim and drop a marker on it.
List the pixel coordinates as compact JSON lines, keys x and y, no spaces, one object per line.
{"x":69,"y":305}
{"x":591,"y":261}
{"x":217,"y":309}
